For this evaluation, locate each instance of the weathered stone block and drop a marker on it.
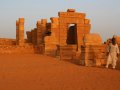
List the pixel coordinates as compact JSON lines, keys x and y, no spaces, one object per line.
{"x":21,"y":20}
{"x":86,"y":21}
{"x":54,"y":25}
{"x":92,"y":39}
{"x":43,"y":21}
{"x":71,"y":10}
{"x":54,"y":20}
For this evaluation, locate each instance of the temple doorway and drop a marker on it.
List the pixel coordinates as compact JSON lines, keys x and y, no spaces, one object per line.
{"x":72,"y":34}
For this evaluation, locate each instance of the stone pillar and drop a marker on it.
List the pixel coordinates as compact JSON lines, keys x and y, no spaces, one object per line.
{"x":44,"y":21}
{"x":55,"y":27}
{"x":80,"y":34}
{"x":34,"y":36}
{"x":43,"y":25}
{"x":39,"y":33}
{"x":93,"y":52}
{"x":21,"y":32}
{"x":29,"y":36}
{"x":17,"y":32}
{"x":63,"y":34}
{"x":51,"y":41}
{"x":87,"y":26}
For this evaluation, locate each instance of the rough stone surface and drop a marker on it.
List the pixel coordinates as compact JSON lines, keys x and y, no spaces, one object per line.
{"x":66,"y":36}
{"x":20,"y":32}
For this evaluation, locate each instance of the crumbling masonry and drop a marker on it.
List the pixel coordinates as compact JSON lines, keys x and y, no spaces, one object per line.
{"x":66,"y":37}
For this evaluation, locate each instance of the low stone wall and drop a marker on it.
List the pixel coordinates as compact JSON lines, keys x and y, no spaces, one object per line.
{"x":90,"y":55}
{"x":8,"y":46}
{"x":5,"y":49}
{"x":67,"y":52}
{"x":93,"y":55}
{"x":27,"y":49}
{"x":5,"y":41}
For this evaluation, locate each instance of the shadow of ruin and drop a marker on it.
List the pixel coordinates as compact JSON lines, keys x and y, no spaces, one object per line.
{"x":66,"y":37}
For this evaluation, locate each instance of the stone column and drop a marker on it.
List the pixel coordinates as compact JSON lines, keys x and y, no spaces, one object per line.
{"x":55,"y":27}
{"x":43,"y":25}
{"x":34,"y":36}
{"x":29,"y":36}
{"x":39,"y":33}
{"x":17,"y":31}
{"x":21,"y":32}
{"x":63,"y":34}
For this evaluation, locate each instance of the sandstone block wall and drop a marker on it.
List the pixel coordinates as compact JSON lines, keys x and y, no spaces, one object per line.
{"x":71,"y":17}
{"x":20,"y":32}
{"x":67,"y":52}
{"x":17,"y":32}
{"x":29,"y":36}
{"x":58,"y":38}
{"x":39,"y":33}
{"x":118,"y":40}
{"x":16,"y":50}
{"x":5,"y":41}
{"x":26,"y":49}
{"x":34,"y":36}
{"x":92,"y":39}
{"x":59,"y":26}
{"x":52,"y":41}
{"x":93,"y":55}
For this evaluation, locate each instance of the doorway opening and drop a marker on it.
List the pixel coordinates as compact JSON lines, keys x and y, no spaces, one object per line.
{"x":72,"y":34}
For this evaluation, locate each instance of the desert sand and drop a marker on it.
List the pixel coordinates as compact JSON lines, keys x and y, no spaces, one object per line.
{"x":40,"y":72}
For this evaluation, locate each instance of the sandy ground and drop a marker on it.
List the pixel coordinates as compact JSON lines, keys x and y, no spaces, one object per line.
{"x":37,"y":72}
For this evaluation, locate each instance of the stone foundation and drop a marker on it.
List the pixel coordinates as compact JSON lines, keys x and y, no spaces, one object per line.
{"x":93,"y":55}
{"x":66,"y":36}
{"x":67,"y":52}
{"x":6,"y":41}
{"x":8,"y":46}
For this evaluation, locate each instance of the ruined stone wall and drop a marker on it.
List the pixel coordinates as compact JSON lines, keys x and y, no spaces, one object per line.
{"x":16,"y":49}
{"x":41,"y":30}
{"x":60,"y":27}
{"x":34,"y":36}
{"x":20,"y":32}
{"x":39,"y":33}
{"x":29,"y":37}
{"x":8,"y":46}
{"x":54,"y":39}
{"x":118,"y":40}
{"x":93,"y":55}
{"x":51,"y":41}
{"x":17,"y":32}
{"x":5,"y":41}
{"x":92,"y":39}
{"x":72,"y":17}
{"x":55,"y":27}
{"x":67,"y":52}
{"x":26,"y":49}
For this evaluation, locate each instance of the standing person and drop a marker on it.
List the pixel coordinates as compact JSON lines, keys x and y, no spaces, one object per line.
{"x":114,"y":38}
{"x":113,"y":51}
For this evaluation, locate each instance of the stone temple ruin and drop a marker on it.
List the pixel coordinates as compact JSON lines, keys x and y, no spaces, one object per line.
{"x":66,"y":37}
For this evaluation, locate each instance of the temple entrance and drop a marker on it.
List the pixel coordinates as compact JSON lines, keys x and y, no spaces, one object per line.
{"x":72,"y":34}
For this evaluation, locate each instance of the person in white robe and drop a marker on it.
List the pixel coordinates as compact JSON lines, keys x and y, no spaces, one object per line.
{"x":113,"y":51}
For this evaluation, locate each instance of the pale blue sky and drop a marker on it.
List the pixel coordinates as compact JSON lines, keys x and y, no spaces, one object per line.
{"x":104,"y":14}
